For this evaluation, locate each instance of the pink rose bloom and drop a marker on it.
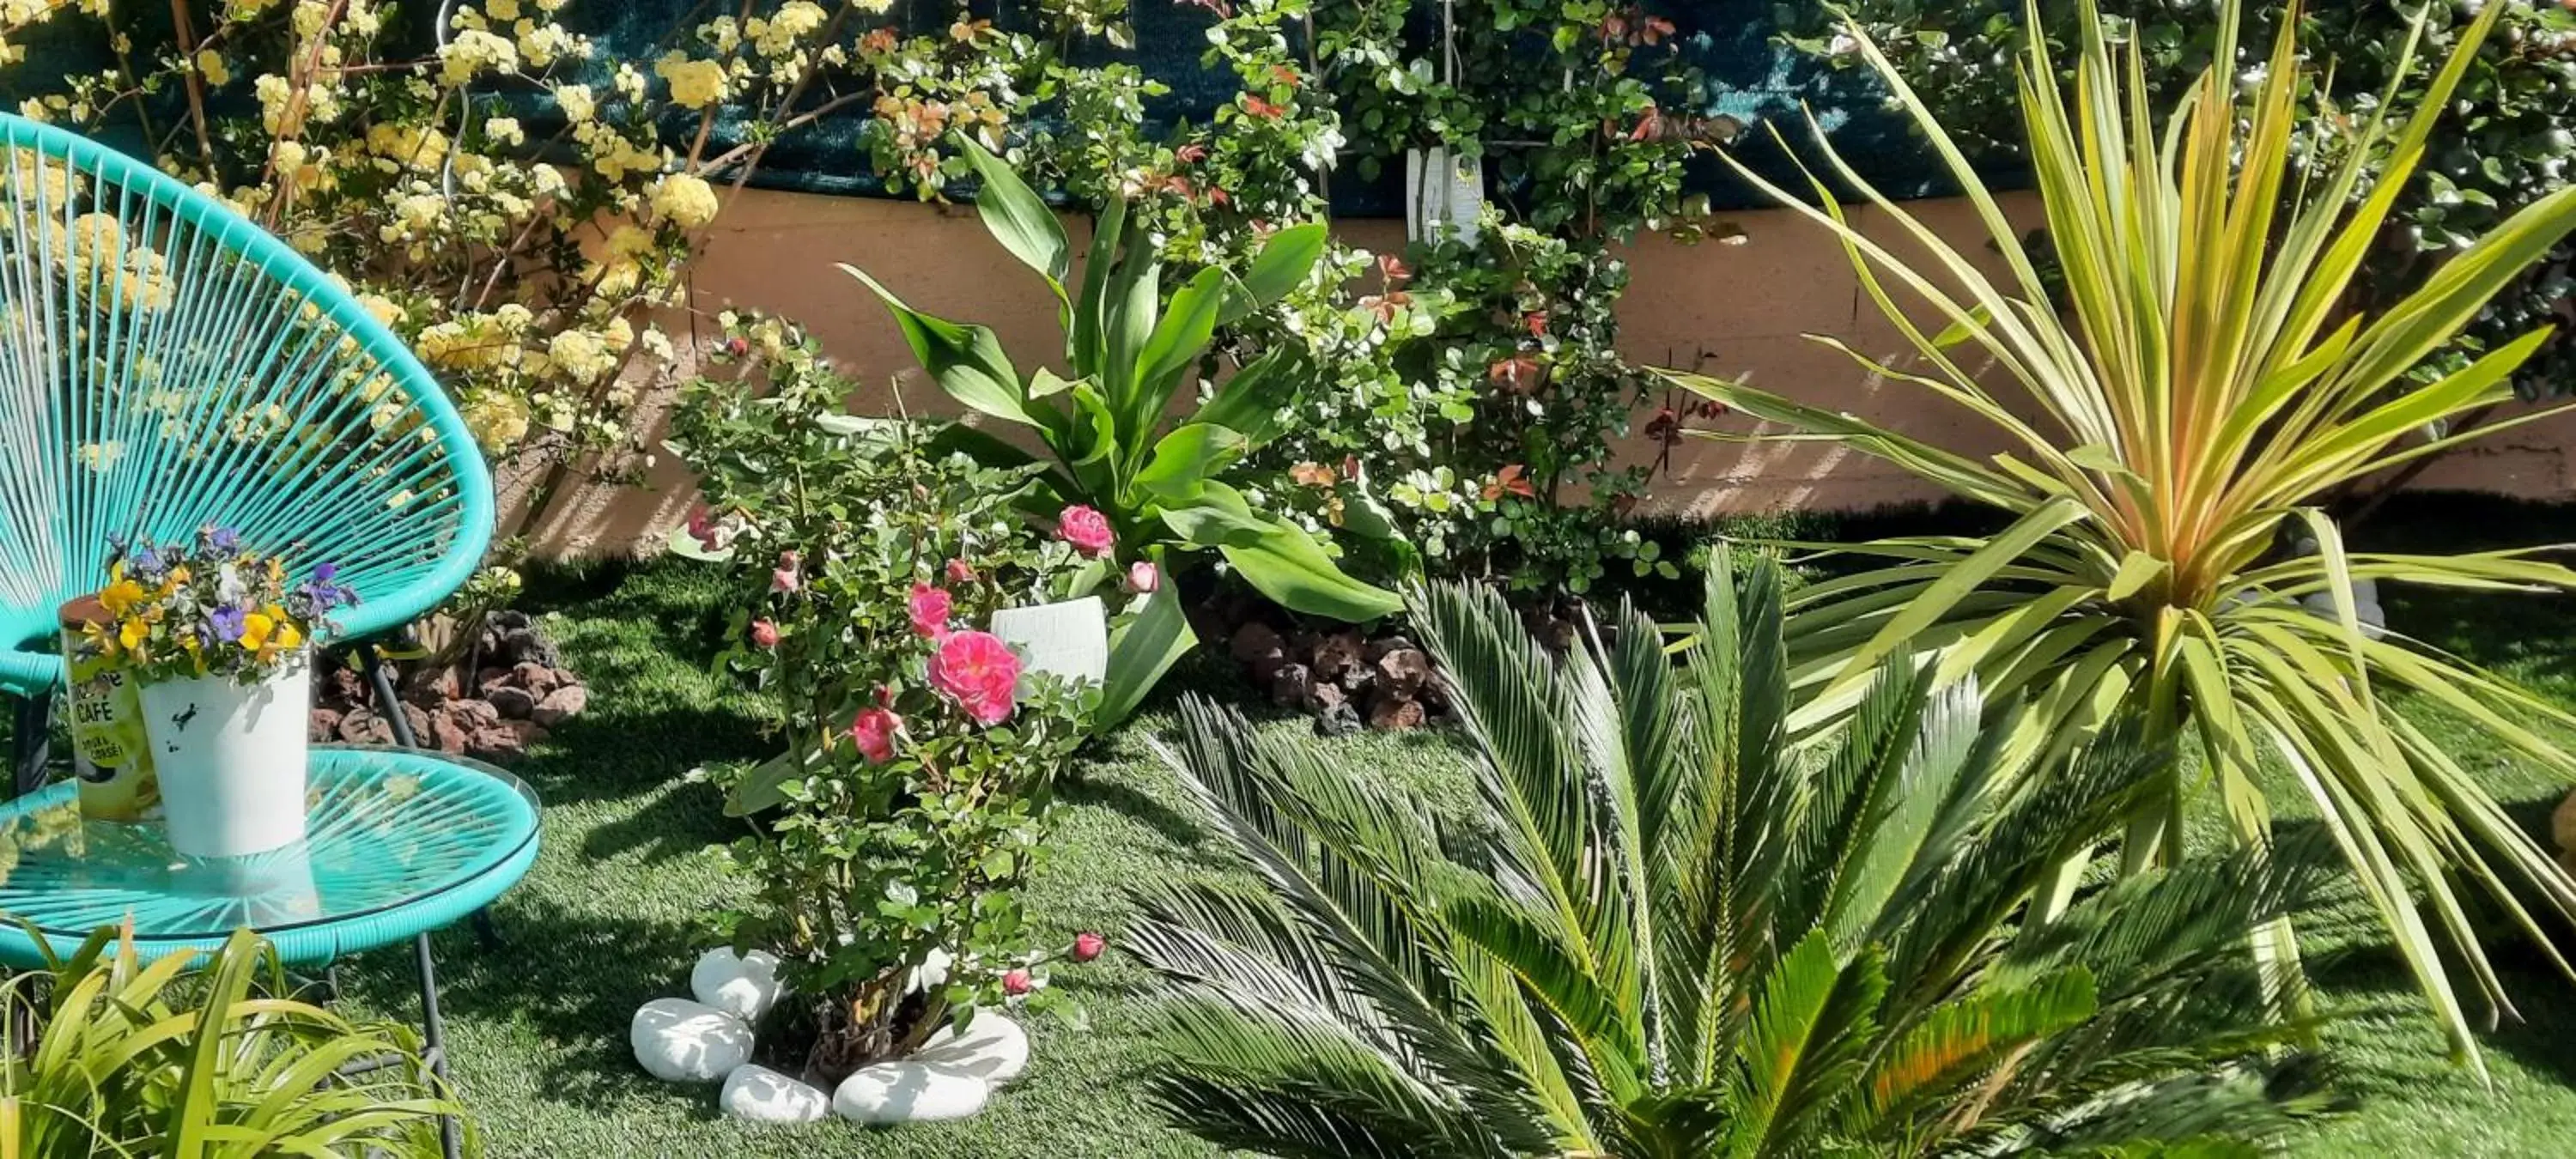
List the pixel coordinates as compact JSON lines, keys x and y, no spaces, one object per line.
{"x":979,"y":672}
{"x":930,"y":608}
{"x":1142,"y":578}
{"x":959,"y":573}
{"x":785,"y":580}
{"x":874,"y":730}
{"x":1087,"y":530}
{"x":1087,"y":945}
{"x":702,"y":527}
{"x":1016,"y":983}
{"x":764,"y":633}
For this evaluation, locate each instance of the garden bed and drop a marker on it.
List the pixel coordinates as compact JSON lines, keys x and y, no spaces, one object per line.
{"x":616,"y":910}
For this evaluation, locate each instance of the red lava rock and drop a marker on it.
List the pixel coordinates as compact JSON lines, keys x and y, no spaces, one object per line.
{"x":1395,"y":712}
{"x":536,"y":678}
{"x":1336,"y":655}
{"x":323,"y":726}
{"x":430,"y":688}
{"x":363,"y":726}
{"x":344,"y":687}
{"x":418,"y":718}
{"x":490,"y":678}
{"x":1290,"y":685}
{"x":528,"y":731}
{"x":1325,"y":697}
{"x":1378,"y":648}
{"x":474,"y":714}
{"x":511,"y":702}
{"x":566,"y":701}
{"x":496,"y":744}
{"x":1254,"y":641}
{"x":447,"y":734}
{"x":1403,"y":671}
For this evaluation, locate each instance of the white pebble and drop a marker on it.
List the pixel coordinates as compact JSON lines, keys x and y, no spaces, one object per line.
{"x":762,"y":1095}
{"x":745,"y":987}
{"x":993,"y":1048}
{"x":908,"y":1092}
{"x":682,"y":1041}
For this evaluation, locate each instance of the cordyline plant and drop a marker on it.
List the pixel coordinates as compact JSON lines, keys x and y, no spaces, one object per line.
{"x":2174,"y":417}
{"x":1682,"y":936}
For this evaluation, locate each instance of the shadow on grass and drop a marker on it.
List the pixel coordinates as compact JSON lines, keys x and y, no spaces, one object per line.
{"x":575,"y":978}
{"x":2390,"y":1033}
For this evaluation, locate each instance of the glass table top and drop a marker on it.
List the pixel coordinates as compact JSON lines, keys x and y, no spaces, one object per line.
{"x":385,"y":829}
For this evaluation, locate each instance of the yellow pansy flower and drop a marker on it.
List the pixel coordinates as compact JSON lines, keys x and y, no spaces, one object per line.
{"x":131,"y":634}
{"x":120,"y":597}
{"x":256,"y":628}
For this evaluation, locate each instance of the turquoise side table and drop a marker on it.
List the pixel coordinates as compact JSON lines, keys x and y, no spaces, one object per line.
{"x":398,"y":842}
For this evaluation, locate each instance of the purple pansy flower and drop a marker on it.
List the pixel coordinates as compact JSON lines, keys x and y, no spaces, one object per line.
{"x":226,"y":622}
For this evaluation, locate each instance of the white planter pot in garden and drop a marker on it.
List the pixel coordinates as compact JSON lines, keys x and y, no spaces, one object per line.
{"x":1068,"y":639}
{"x":230,"y":759}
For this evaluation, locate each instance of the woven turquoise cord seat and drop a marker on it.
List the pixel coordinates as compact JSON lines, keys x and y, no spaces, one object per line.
{"x":166,"y":364}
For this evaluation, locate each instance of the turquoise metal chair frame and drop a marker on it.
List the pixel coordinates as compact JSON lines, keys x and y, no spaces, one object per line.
{"x":165,"y":364}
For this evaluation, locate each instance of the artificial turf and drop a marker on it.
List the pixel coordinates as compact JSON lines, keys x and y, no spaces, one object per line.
{"x":622,"y":898}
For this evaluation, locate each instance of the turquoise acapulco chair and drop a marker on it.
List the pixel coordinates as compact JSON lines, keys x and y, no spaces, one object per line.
{"x":164,"y":365}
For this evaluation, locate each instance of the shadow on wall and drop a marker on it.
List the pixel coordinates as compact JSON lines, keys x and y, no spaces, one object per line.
{"x":1719,"y":309}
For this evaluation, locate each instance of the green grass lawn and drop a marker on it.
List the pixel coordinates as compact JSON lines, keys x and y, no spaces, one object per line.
{"x":621,"y":899}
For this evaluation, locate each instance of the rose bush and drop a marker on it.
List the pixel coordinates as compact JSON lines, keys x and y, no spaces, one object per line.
{"x":892,"y":836}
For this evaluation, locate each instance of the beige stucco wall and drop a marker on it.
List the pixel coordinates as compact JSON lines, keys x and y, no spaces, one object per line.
{"x":1724,"y":309}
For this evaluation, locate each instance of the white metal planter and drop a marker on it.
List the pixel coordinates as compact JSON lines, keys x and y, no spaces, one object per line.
{"x":231,"y":760}
{"x":1069,"y":639}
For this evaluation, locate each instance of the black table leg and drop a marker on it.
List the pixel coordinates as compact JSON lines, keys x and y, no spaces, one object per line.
{"x":434,"y":1040}
{"x":433,"y":1031}
{"x":31,"y":740}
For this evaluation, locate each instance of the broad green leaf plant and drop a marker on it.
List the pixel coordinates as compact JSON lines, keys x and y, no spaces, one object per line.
{"x":1160,"y":480}
{"x":138,"y":1060}
{"x":1680,"y":935}
{"x":2176,"y":416}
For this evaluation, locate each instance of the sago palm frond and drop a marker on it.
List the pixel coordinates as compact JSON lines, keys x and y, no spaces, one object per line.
{"x":2177,"y":413}
{"x":1677,"y":935}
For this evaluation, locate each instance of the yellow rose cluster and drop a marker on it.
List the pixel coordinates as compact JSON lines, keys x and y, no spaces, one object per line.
{"x":453,"y":221}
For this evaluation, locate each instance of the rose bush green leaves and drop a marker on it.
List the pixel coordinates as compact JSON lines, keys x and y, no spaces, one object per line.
{"x":1161,"y":482}
{"x":910,"y":803}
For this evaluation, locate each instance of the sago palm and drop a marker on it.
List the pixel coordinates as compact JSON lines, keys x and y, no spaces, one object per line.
{"x":1676,"y":935}
{"x":2178,"y":408}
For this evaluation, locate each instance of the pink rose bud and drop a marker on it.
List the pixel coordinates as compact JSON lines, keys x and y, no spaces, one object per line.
{"x":874,"y":731}
{"x":1142,"y":578}
{"x":736,"y":346}
{"x":764,"y":633}
{"x":1016,"y":983}
{"x":1086,"y":529}
{"x":959,"y":573}
{"x":1087,"y":945}
{"x":784,"y":581}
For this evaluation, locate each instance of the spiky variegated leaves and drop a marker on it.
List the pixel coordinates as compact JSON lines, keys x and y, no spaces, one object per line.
{"x":2177,"y":412}
{"x":1673,"y":934}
